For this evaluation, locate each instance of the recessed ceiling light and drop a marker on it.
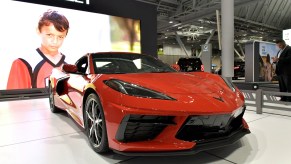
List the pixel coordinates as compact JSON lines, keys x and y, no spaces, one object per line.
{"x":171,"y":22}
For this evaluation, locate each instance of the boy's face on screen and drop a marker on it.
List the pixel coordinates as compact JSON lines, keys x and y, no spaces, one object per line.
{"x":51,"y":39}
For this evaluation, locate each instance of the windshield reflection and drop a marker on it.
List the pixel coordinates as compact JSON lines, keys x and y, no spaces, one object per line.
{"x":128,"y":63}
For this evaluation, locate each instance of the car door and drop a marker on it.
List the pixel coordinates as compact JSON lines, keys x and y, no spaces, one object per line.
{"x":77,"y":83}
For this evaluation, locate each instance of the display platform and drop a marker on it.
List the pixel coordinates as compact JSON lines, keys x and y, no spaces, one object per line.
{"x":30,"y":133}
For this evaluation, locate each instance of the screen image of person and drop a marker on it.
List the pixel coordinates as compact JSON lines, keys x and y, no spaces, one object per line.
{"x":31,"y":72}
{"x":24,"y":63}
{"x":268,"y":69}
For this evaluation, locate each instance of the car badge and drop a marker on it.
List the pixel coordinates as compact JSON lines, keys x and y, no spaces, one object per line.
{"x":219,"y":98}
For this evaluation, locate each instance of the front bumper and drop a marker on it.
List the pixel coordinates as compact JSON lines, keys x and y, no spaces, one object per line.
{"x":217,"y":143}
{"x":162,"y":136}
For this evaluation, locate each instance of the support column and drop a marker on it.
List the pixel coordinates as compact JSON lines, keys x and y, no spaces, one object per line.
{"x":227,"y":27}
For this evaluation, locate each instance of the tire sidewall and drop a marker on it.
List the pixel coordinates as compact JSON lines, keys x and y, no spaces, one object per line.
{"x":103,"y":147}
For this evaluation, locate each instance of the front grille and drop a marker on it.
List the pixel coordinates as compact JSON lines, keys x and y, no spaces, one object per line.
{"x":202,"y":129}
{"x":142,"y":127}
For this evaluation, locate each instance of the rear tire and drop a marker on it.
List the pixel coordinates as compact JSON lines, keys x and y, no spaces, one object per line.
{"x":95,"y":125}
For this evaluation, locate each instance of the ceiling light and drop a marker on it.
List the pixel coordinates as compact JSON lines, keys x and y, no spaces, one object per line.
{"x":171,"y":22}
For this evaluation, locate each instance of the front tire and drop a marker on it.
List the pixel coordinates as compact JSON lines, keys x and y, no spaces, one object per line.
{"x":95,"y":124}
{"x":53,"y":108}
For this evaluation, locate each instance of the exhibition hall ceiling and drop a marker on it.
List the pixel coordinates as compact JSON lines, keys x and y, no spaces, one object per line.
{"x":194,"y":20}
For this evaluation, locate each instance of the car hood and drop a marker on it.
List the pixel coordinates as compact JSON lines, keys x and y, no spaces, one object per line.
{"x":176,"y":83}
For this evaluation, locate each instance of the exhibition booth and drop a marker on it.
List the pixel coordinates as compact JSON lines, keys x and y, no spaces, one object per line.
{"x":100,"y":102}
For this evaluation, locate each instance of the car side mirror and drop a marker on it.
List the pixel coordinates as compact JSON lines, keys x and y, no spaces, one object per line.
{"x":176,"y":67}
{"x":70,"y":68}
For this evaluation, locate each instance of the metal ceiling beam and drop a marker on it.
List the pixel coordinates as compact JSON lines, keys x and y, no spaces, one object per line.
{"x":269,"y":11}
{"x":209,"y":38}
{"x":265,"y":12}
{"x":253,"y":11}
{"x":157,"y":4}
{"x":282,"y":19}
{"x":190,"y":12}
{"x":239,"y":3}
{"x":194,"y":4}
{"x":280,"y":15}
{"x":260,"y":24}
{"x":239,"y":55}
{"x":257,"y":11}
{"x":210,"y":11}
{"x":259,"y":16}
{"x":276,"y":12}
{"x":247,"y":11}
{"x":171,"y":1}
{"x":249,"y":15}
{"x":178,"y":39}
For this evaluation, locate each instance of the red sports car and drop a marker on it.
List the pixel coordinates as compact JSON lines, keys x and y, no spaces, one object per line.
{"x":135,"y":104}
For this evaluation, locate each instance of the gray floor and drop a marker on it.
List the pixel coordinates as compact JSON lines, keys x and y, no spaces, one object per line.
{"x":30,"y":133}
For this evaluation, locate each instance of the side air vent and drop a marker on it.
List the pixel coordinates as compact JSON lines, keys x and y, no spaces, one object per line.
{"x":142,"y":127}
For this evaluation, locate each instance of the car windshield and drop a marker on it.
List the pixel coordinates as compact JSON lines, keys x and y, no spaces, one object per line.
{"x":110,"y":63}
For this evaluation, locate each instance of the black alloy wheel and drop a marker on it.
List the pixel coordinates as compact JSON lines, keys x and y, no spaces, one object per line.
{"x":95,"y":124}
{"x":53,"y":108}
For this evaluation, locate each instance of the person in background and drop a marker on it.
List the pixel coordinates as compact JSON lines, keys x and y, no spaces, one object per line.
{"x":31,"y":72}
{"x":283,"y":68}
{"x":268,"y":69}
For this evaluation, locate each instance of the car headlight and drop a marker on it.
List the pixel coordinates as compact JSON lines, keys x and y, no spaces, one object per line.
{"x":238,"y":111}
{"x":228,"y":83}
{"x":135,"y":90}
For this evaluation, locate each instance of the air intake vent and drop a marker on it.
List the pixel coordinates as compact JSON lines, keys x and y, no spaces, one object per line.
{"x":142,"y":127}
{"x":206,"y":128}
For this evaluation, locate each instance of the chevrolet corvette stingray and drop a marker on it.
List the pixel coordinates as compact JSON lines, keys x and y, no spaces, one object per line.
{"x":135,"y":104}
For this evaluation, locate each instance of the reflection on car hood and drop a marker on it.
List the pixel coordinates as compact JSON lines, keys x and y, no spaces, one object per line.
{"x":178,"y":83}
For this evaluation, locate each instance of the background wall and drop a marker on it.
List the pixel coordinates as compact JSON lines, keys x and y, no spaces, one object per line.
{"x":175,"y":50}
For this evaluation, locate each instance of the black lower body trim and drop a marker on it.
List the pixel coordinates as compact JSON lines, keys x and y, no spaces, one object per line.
{"x":225,"y":141}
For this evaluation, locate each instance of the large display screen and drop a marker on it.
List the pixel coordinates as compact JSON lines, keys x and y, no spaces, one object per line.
{"x":268,"y":49}
{"x":287,"y":36}
{"x":23,"y":65}
{"x":267,"y":68}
